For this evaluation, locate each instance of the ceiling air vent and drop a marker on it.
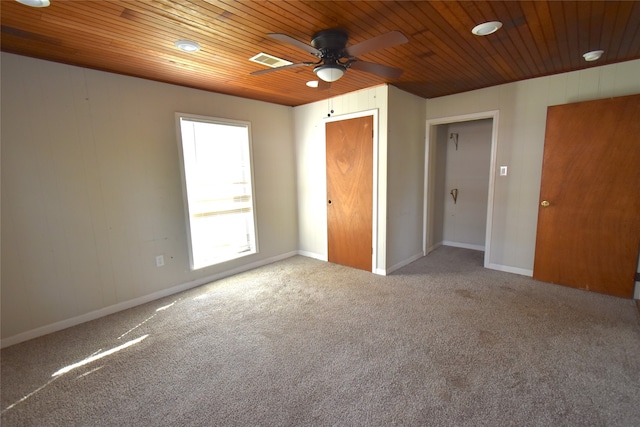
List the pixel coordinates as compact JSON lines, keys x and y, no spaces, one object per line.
{"x":269,"y":60}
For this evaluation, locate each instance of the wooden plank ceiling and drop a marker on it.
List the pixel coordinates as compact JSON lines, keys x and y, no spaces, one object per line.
{"x":442,"y":57}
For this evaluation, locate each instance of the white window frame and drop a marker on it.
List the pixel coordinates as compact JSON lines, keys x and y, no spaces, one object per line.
{"x":218,"y":121}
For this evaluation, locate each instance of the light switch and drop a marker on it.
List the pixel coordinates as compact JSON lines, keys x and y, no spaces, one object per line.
{"x":503,"y":171}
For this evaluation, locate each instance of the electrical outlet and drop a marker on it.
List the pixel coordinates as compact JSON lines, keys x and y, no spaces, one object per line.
{"x":159,"y":261}
{"x":503,"y":171}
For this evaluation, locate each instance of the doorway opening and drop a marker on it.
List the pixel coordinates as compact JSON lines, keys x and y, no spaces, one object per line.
{"x":460,"y":167}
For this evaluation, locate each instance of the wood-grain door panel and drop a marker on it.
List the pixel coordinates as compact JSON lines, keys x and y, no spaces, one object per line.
{"x":588,"y":235}
{"x":350,"y":191}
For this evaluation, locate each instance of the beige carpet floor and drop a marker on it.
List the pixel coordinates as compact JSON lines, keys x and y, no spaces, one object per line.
{"x":442,"y":342}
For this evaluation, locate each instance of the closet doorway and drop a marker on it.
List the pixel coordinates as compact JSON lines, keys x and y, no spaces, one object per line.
{"x":459,"y":171}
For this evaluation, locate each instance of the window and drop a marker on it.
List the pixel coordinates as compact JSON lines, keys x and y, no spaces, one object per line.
{"x":218,"y":190}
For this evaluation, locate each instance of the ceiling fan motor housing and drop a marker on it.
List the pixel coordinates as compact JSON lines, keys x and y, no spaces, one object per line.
{"x":331,"y":43}
{"x":330,"y":46}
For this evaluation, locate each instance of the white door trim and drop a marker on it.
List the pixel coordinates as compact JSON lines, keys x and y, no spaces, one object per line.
{"x":492,"y":173}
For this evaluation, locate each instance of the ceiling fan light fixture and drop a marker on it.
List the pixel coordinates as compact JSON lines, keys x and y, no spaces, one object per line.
{"x":329,"y":72}
{"x":594,"y":55}
{"x":35,"y":3}
{"x":312,"y":83}
{"x":187,"y":46}
{"x":486,"y":28}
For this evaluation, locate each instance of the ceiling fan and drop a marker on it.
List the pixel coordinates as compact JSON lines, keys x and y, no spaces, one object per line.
{"x":334,"y":57}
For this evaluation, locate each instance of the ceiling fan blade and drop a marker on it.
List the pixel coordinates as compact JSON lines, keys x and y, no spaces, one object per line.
{"x":268,"y":70}
{"x":382,"y":41}
{"x":379,"y":69}
{"x":293,"y":42}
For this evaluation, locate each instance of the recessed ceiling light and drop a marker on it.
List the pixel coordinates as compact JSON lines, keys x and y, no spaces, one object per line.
{"x":594,"y":55}
{"x":486,"y":28}
{"x":187,"y":46}
{"x":35,"y":3}
{"x":312,"y":83}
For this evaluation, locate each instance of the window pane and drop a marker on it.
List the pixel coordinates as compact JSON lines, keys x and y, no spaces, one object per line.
{"x":217,"y":175}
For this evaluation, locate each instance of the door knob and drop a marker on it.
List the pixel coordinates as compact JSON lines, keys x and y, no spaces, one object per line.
{"x":545,"y":204}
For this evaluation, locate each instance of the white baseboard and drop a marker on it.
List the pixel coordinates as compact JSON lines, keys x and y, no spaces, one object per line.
{"x":499,"y":267}
{"x":508,"y":269}
{"x":463,"y":245}
{"x":67,"y":323}
{"x":403,"y":263}
{"x":313,"y":255}
{"x":380,"y":271}
{"x":433,"y":248}
{"x":529,"y":273}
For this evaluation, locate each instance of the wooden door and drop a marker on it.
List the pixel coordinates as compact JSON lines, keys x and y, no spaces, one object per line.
{"x":350,"y":192}
{"x":589,"y":232}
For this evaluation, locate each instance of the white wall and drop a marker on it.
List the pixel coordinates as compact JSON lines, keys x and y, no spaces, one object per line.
{"x":405,"y":178}
{"x":466,"y":169}
{"x":91,"y":187}
{"x":521,"y":128}
{"x":435,"y":185}
{"x":311,"y":166}
{"x":91,"y":190}
{"x":399,"y":175}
